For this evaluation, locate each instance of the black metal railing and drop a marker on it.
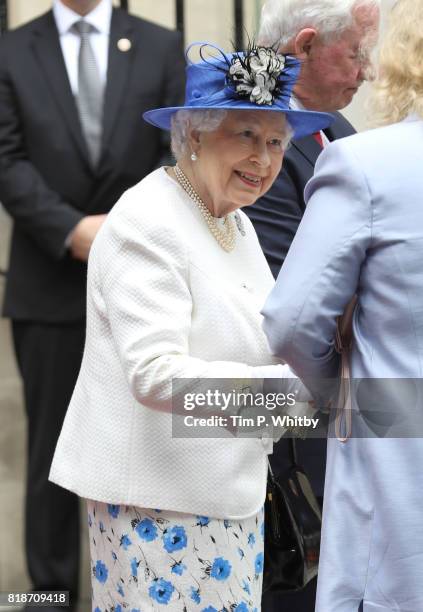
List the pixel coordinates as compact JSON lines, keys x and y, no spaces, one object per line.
{"x":3,"y":16}
{"x":180,"y":19}
{"x":180,"y":15}
{"x":239,"y":24}
{"x":180,"y":9}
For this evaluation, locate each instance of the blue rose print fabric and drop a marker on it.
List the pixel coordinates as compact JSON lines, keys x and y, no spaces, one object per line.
{"x":147,"y":560}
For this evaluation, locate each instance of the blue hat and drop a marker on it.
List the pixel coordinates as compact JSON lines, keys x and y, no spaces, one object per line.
{"x":258,"y":79}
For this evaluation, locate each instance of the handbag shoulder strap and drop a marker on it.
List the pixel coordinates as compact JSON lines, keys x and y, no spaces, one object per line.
{"x":343,"y":342}
{"x":293,"y":454}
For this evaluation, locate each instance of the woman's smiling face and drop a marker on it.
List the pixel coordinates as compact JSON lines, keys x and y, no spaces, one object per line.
{"x":239,"y":161}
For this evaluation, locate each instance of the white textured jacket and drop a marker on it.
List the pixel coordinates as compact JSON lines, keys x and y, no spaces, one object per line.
{"x":165,"y":301}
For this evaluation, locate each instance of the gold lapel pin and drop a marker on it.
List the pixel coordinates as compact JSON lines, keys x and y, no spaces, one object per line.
{"x":124,"y":44}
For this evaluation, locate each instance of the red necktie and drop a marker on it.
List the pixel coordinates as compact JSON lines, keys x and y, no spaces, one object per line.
{"x":318,"y":138}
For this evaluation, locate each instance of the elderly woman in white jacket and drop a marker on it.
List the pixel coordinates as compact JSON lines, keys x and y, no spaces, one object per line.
{"x":176,"y":280}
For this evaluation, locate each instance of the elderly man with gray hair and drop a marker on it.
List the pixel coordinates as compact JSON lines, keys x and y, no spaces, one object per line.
{"x":334,"y":40}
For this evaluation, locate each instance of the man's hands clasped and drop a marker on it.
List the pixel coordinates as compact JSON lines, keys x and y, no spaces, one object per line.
{"x":83,"y":236}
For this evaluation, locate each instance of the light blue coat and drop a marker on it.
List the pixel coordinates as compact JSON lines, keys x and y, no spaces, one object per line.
{"x":362,"y":233}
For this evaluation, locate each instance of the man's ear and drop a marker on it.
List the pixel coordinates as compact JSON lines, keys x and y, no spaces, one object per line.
{"x":304,"y":42}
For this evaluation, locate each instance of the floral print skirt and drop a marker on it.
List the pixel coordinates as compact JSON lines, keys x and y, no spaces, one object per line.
{"x":144,"y":560}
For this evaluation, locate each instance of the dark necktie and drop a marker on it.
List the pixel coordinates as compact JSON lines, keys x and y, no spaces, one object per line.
{"x":90,"y":92}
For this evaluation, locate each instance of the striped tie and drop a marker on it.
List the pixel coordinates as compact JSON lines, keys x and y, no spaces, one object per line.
{"x":90,"y":92}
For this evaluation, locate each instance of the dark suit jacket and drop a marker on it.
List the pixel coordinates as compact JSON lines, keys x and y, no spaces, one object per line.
{"x":276,"y":217}
{"x":46,"y":182}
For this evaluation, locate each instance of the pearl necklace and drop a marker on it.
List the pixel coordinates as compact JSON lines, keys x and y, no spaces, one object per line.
{"x":224,"y":237}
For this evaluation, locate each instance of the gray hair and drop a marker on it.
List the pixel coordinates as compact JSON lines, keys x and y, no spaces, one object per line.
{"x":281,"y":20}
{"x":185,"y":120}
{"x":204,"y":121}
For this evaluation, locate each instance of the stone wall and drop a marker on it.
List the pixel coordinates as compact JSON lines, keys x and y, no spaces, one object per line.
{"x":12,"y":449}
{"x":13,"y":575}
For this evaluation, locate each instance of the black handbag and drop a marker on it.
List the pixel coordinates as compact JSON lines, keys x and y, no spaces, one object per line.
{"x":292,"y":529}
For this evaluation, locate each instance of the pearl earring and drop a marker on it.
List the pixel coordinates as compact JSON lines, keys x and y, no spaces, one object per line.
{"x":194,"y":156}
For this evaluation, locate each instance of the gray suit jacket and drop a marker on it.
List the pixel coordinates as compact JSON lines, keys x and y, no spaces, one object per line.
{"x":362,"y":233}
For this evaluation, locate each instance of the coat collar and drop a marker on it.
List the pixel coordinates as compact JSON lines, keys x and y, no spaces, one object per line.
{"x":47,"y":49}
{"x":311,"y":149}
{"x":119,"y":64}
{"x":308,"y":147}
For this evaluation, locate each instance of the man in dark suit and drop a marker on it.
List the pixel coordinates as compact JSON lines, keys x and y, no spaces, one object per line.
{"x":73,"y":86}
{"x":334,"y":41}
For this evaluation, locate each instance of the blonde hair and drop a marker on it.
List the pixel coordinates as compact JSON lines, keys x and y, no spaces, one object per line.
{"x":398,"y":90}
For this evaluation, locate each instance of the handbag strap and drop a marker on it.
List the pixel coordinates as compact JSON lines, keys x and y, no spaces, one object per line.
{"x":343,"y":340}
{"x":293,"y":455}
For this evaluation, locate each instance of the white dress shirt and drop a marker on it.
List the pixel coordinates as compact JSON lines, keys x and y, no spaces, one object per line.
{"x":70,"y":41}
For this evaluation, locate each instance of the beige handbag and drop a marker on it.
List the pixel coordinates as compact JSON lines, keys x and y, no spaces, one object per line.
{"x":343,"y":342}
